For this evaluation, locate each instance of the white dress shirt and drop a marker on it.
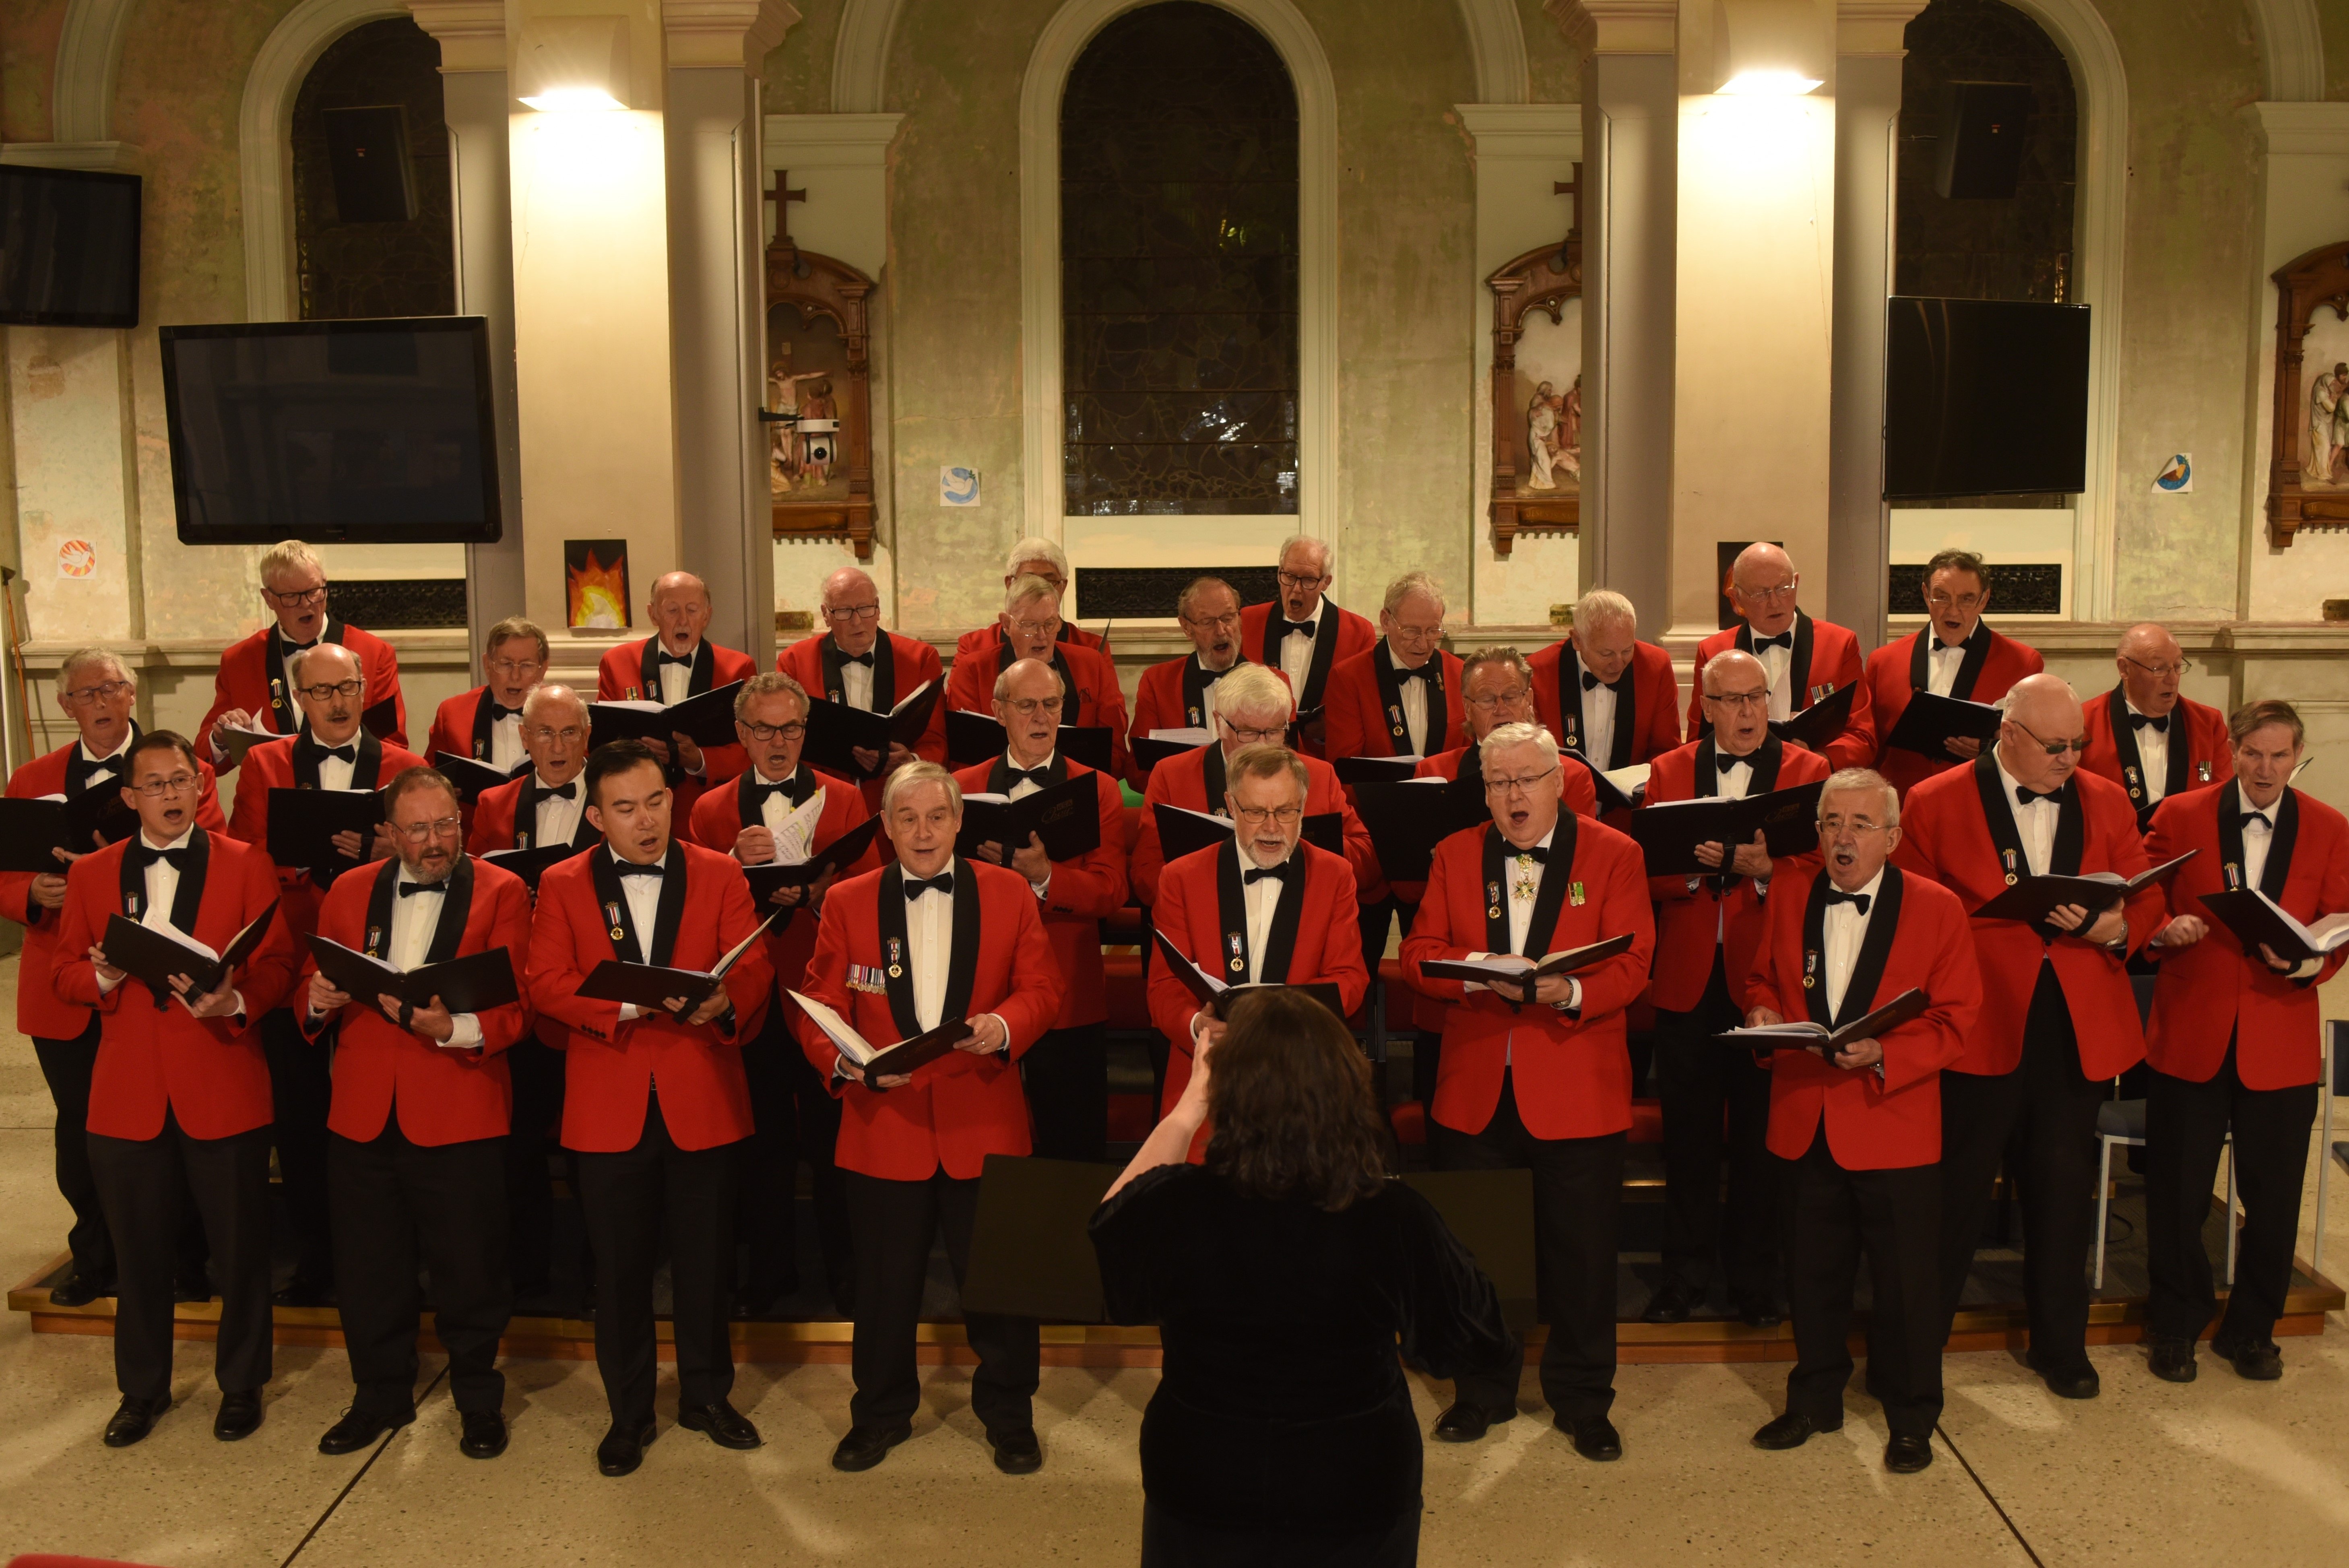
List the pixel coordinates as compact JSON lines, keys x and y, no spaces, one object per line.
{"x":1261,"y":899}
{"x":506,"y":749}
{"x":2258,"y":837}
{"x":415,"y":918}
{"x":1523,"y":893}
{"x":1733,"y":787}
{"x":2036,"y":823}
{"x":1295,"y":655}
{"x":114,"y":757}
{"x":334,"y":773}
{"x":1845,"y":930}
{"x":1736,"y":780}
{"x":643,"y":895}
{"x":1775,"y":662}
{"x":1598,"y":715}
{"x":856,"y":683}
{"x":676,"y":680}
{"x":1941,"y":663}
{"x":2153,"y":750}
{"x":1024,"y":787}
{"x":557,"y":818}
{"x":929,"y":942}
{"x":292,"y":654}
{"x":162,"y":887}
{"x":1414,"y":705}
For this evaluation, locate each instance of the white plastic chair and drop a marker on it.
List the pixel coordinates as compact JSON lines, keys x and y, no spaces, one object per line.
{"x":2122,"y":1122}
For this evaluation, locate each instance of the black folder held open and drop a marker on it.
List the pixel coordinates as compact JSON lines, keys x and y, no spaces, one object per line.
{"x":303,"y":824}
{"x":1668,"y":832}
{"x":1066,"y":816}
{"x":1406,"y":822}
{"x":2031,"y":898}
{"x":471,"y":777}
{"x":766,"y":878}
{"x":473,"y":983}
{"x":2255,"y":918}
{"x":530,"y":864}
{"x":1821,"y":722}
{"x":1930,"y":721}
{"x":1217,"y":997}
{"x":1520,"y":973}
{"x":650,"y":985}
{"x":837,"y":731}
{"x":979,"y":737}
{"x":1150,"y":750}
{"x":153,"y":956}
{"x":30,"y":830}
{"x":706,"y":720}
{"x":1802,"y":1035}
{"x":882,"y":1061}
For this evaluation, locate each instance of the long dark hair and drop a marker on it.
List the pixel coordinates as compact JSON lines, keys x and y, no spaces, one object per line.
{"x":1289,"y":1095}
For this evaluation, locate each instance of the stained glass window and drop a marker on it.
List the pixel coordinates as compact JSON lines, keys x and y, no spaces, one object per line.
{"x":1178,"y":268}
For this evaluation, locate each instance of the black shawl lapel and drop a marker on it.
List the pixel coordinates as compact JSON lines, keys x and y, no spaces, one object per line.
{"x":2174,"y":761}
{"x":483,"y":724}
{"x":1391,"y":701}
{"x":705,"y":666}
{"x":621,"y":925}
{"x":1970,"y":668}
{"x":306,"y":755}
{"x":1815,"y":952}
{"x":2071,"y":832}
{"x":1868,"y":966}
{"x":77,"y":771}
{"x":381,"y":898}
{"x":282,"y":717}
{"x":962,"y":962}
{"x":526,"y":803}
{"x":896,"y":952}
{"x":671,"y":912}
{"x":1627,"y":714}
{"x":1231,"y":915}
{"x":1325,"y":653}
{"x":1549,"y":897}
{"x":1212,"y":777}
{"x":456,"y":910}
{"x":2278,"y":869}
{"x":1998,"y":816}
{"x":2273,"y":876}
{"x":1798,"y":667}
{"x":797,"y":789}
{"x":1231,"y":909}
{"x":1704,"y":779}
{"x":999,"y":777}
{"x":366,"y":769}
{"x":1569,"y":698}
{"x":2125,"y":750}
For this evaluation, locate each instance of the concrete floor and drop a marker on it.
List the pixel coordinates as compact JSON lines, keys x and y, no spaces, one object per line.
{"x":2220,"y":1470}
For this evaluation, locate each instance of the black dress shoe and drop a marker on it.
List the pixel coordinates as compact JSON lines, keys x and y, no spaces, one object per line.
{"x":358,"y":1429}
{"x":1465,"y":1422}
{"x":865,"y":1447}
{"x":1759,"y":1310}
{"x":484,"y":1435}
{"x":1019,"y":1452}
{"x":1672,"y":1303}
{"x":80,"y":1291}
{"x":2171,"y":1360}
{"x":304,"y":1293}
{"x":623,"y":1448}
{"x":133,"y":1419}
{"x":2261,"y":1361}
{"x":1789,"y":1431}
{"x":239,"y":1416}
{"x":2068,"y":1380}
{"x":727,"y":1427}
{"x":1596,"y":1439}
{"x":1908,"y":1453}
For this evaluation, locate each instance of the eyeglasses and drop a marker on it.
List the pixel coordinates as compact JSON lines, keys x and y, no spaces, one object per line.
{"x":2053,"y":747}
{"x":105,"y":691}
{"x":1739,"y":698}
{"x":2162,"y":672}
{"x":852,"y":612}
{"x":1249,"y":735}
{"x":1030,"y":706}
{"x":177,"y":784}
{"x":1257,"y":816}
{"x":1300,"y":582}
{"x":1830,"y":826}
{"x":1766,"y":595}
{"x":570,"y":735}
{"x":1230,"y":619}
{"x":766,"y":732}
{"x":1492,"y":700}
{"x":512,"y":667}
{"x":326,"y":693}
{"x":1966,"y":602}
{"x":297,"y":598}
{"x":439,"y":828}
{"x":1051,"y":628}
{"x":1415,"y":634}
{"x":1513,"y":786}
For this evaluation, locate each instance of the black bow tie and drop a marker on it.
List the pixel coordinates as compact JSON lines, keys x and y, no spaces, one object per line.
{"x":762,"y":787}
{"x":2146,"y":721}
{"x":347,"y":753}
{"x":499,"y":712}
{"x":297,"y":647}
{"x":864,"y":658}
{"x":1783,"y":640}
{"x":916,"y":886}
{"x":1941,"y":647}
{"x":663,"y":656}
{"x":1724,"y":761}
{"x":1299,"y":628}
{"x":1425,"y":672}
{"x":408,"y":889}
{"x":1590,"y":682}
{"x":2025,"y":797}
{"x":142,"y":856}
{"x":630,"y":868}
{"x":1282,"y":872}
{"x":1537,"y":853}
{"x":1014,"y":777}
{"x":2248,"y":818}
{"x":1836,"y":896}
{"x":559,"y":791}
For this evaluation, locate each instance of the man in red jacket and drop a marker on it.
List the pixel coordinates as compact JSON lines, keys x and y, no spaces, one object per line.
{"x":1066,"y":1071}
{"x":1857,"y":1134}
{"x":859,"y":664}
{"x":1181,"y":694}
{"x":654,"y":1101}
{"x":2059,"y":1022}
{"x":781,"y":811}
{"x":421,"y":1106}
{"x":1304,"y":635}
{"x":1540,"y":1080}
{"x":180,"y":1091}
{"x":1604,"y":693}
{"x":485,"y":723}
{"x":1031,"y":627}
{"x":1263,"y":908}
{"x":333,"y":750}
{"x":929,"y":940}
{"x":1032,"y":557}
{"x":1807,"y":661}
{"x":2232,"y":1044}
{"x":674,"y":662}
{"x":1953,"y":655}
{"x":97,"y":693}
{"x":254,"y":687}
{"x":2146,"y":737}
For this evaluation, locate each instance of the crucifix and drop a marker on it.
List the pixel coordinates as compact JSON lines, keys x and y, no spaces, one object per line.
{"x":1569,"y":188}
{"x":782,"y":193}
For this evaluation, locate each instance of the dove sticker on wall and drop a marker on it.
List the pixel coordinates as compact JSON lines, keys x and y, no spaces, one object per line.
{"x":957,"y":487}
{"x":2177,"y":476}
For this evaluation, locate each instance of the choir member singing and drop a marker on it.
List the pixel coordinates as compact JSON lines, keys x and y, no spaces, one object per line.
{"x":1955,"y":655}
{"x":1032,"y":557}
{"x":1182,"y":693}
{"x":861,"y":663}
{"x":485,"y":723}
{"x":254,"y":687}
{"x":1303,"y":634}
{"x":1806,"y":660}
{"x":1604,"y":694}
{"x":1031,"y":629}
{"x":678,"y":661}
{"x":2145,"y":735}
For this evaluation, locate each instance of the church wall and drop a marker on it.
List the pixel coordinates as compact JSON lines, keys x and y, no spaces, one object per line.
{"x":27,"y":59}
{"x":797,"y":76}
{"x":1552,"y":67}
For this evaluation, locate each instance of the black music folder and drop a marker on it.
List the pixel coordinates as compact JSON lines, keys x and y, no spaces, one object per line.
{"x":2256,"y":918}
{"x":1406,"y":822}
{"x":1821,"y":722}
{"x":836,"y":731}
{"x":1491,"y":1212}
{"x":237,"y":741}
{"x":1515,"y":970}
{"x":882,"y":1061}
{"x":1373,"y":769}
{"x":979,"y":738}
{"x":1182,"y":831}
{"x":1929,"y":722}
{"x":1214,"y":995}
{"x":1150,"y":750}
{"x":767,"y":877}
{"x":1668,"y":832}
{"x":152,"y":957}
{"x":1802,"y":1035}
{"x":473,"y":983}
{"x":2031,"y":898}
{"x":31,"y":828}
{"x":650,"y":985}
{"x":1032,"y":1254}
{"x":530,"y":864}
{"x":1066,"y":816}
{"x":303,"y":824}
{"x":706,"y":720}
{"x":471,"y":777}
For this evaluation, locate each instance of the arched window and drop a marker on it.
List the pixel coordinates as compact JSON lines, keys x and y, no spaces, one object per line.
{"x":371,"y":193}
{"x":1179,"y":269}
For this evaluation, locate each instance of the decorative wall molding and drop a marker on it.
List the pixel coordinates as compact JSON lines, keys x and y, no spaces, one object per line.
{"x":2292,"y":49}
{"x":89,"y":54}
{"x":103,"y":157}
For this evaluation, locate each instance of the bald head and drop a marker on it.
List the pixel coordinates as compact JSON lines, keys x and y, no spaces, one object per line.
{"x":2152,"y":666}
{"x":1736,"y":701}
{"x":2042,"y":710}
{"x":330,"y":668}
{"x":852,"y":609}
{"x":679,"y":611}
{"x":1762,"y":582}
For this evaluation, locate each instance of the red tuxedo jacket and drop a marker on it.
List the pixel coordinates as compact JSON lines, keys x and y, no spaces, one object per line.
{"x":1082,"y":893}
{"x":441,"y":1096}
{"x":718,"y":822}
{"x":961,"y":1108}
{"x":1825,"y":660}
{"x":38,"y":1011}
{"x":1694,"y":917}
{"x":452,"y":727}
{"x":1647,"y":728}
{"x":621,"y":675}
{"x":1315,"y":930}
{"x":1361,"y":721}
{"x":612,"y":1068}
{"x":1571,"y":1074}
{"x":2213,"y":993}
{"x":2204,"y":754}
{"x":1899,"y":670}
{"x":270,"y":766}
{"x":493,"y":818}
{"x":1158,"y":703}
{"x":1182,"y":781}
{"x":981,"y":642}
{"x":209,"y":1072}
{"x":1872,"y":1123}
{"x":912,"y":662}
{"x":1092,"y":681}
{"x":252,"y":679}
{"x":1353,"y":635}
{"x":1945,"y":835}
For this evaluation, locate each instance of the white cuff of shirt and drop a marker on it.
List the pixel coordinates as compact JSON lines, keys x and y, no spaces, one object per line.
{"x":2307,"y":968}
{"x":1468,"y":985}
{"x":630,"y":1012}
{"x":1007,"y":1030}
{"x":1042,"y":889}
{"x":106,"y":986}
{"x":465,"y":1033}
{"x":1573,"y":994}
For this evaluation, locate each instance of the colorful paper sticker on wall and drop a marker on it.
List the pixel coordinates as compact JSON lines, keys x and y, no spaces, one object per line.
{"x":77,"y":558}
{"x":2177,"y":476}
{"x":957,"y":485}
{"x":595,"y":583}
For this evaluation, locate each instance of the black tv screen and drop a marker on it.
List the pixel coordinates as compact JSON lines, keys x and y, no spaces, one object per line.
{"x":69,"y":247}
{"x":363,"y":432}
{"x":1984,"y":397}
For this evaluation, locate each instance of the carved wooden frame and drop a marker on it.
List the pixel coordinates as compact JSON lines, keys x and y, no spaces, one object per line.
{"x":2303,"y":287}
{"x":1540,"y":280}
{"x":822,"y":285}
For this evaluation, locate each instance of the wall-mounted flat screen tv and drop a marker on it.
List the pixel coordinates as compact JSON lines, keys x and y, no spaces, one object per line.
{"x":69,"y":247}
{"x":1984,"y":397}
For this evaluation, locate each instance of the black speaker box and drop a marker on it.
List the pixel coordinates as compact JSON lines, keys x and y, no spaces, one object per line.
{"x":1983,"y":128}
{"x":366,"y":150}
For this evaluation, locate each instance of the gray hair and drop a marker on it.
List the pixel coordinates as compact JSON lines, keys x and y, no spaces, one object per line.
{"x":1269,"y":760}
{"x":766,"y":683}
{"x":1253,"y":688}
{"x":1862,"y":779}
{"x":1508,"y":658}
{"x":1520,"y":733}
{"x":82,"y":658}
{"x":1003,"y":681}
{"x":1320,"y":547}
{"x":1197,"y":586}
{"x":1028,"y":588}
{"x":1037,"y":547}
{"x":288,"y":555}
{"x":912,"y":775}
{"x":1410,"y":583}
{"x":1604,"y":606}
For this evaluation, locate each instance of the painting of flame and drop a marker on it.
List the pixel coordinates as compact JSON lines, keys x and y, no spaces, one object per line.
{"x":595,"y":576}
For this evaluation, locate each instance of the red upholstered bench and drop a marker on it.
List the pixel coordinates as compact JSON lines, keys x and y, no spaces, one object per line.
{"x":1410,"y":1122}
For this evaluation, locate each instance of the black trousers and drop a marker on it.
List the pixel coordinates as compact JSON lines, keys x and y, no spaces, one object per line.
{"x":896,"y":1222}
{"x":629,"y":1200}
{"x":1828,"y":1216}
{"x":1577,"y":1191}
{"x":138,"y":1181}
{"x":1171,"y":1540}
{"x":2041,"y":1121}
{"x":396,"y":1204}
{"x":1699,"y":1081}
{"x":2186,"y":1126}
{"x":303,"y":1089}
{"x":67,"y":1066}
{"x":794,"y":1119}
{"x":1066,"y":1074}
{"x":530,"y":1190}
{"x":1374,"y":918}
